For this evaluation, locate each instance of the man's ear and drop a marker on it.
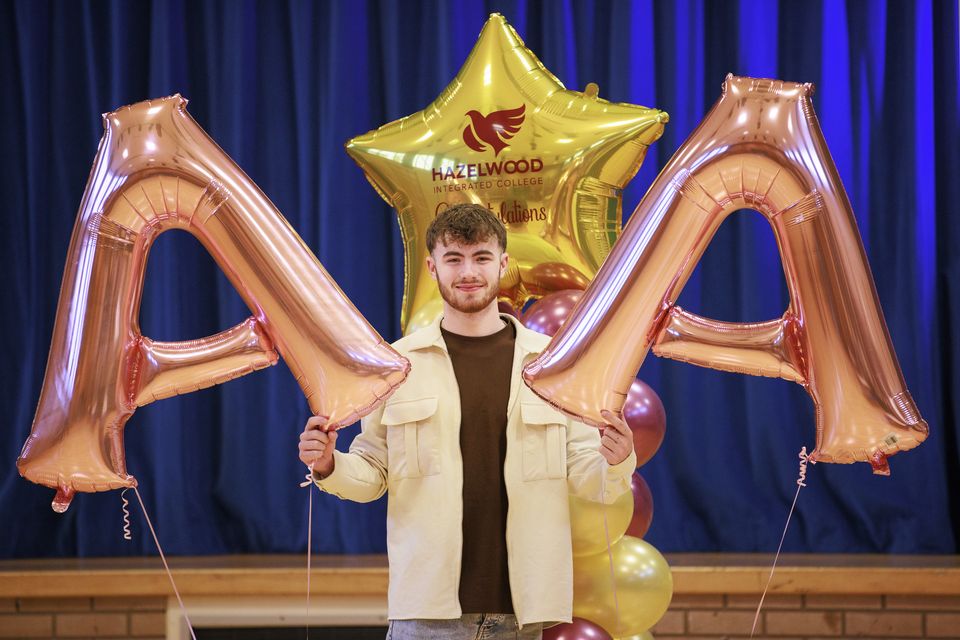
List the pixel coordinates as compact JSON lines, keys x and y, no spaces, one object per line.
{"x":431,"y":267}
{"x":504,"y":262}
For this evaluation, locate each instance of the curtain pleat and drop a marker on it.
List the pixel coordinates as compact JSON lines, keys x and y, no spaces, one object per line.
{"x":282,"y":85}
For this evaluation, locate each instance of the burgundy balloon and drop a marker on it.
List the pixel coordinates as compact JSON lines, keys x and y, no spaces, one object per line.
{"x":549,"y":277}
{"x":579,"y":629}
{"x":505,"y":307}
{"x":642,"y":507}
{"x":646,"y":417}
{"x":548,"y":314}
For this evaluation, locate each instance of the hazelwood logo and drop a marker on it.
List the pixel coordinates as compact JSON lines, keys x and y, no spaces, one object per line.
{"x":493,"y":129}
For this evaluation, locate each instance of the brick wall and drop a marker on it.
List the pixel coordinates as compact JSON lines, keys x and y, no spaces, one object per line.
{"x":140,"y":618}
{"x":811,"y":617}
{"x":691,"y":617}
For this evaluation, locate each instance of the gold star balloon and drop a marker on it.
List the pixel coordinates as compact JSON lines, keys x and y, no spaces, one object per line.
{"x":550,"y":162}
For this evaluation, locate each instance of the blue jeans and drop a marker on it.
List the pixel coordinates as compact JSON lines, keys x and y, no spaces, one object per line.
{"x":472,"y":626}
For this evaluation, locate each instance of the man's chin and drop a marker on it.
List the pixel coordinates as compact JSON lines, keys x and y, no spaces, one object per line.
{"x":469,"y":306}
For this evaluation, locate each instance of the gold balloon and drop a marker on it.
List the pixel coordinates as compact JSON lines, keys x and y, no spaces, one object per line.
{"x":588,"y":533}
{"x":646,"y":635}
{"x":644,"y":587}
{"x":551,"y":163}
{"x":158,"y":170}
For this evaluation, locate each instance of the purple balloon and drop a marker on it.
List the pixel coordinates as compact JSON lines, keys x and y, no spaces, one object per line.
{"x":646,"y":418}
{"x":579,"y":629}
{"x":548,"y":314}
{"x":556,"y":276}
{"x":642,"y":507}
{"x":505,"y":307}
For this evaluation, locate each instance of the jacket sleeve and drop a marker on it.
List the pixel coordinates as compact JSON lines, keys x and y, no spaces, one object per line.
{"x":361,"y":474}
{"x":588,"y":472}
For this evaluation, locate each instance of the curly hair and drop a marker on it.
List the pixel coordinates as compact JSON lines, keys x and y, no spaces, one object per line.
{"x":466,"y":223}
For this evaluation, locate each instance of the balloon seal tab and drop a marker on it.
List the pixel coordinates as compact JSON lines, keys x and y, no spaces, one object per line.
{"x":879,"y":463}
{"x":61,"y":501}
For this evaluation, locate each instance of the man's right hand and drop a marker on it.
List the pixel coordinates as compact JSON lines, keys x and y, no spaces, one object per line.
{"x":317,"y":446}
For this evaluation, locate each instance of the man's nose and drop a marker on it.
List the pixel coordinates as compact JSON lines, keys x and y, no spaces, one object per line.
{"x":470,"y":269}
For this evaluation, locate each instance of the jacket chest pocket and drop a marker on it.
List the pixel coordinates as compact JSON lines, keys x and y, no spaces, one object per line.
{"x":544,"y":442}
{"x":413,"y":440}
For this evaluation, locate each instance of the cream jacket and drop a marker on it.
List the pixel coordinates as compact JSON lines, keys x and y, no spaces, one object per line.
{"x":410,"y":448}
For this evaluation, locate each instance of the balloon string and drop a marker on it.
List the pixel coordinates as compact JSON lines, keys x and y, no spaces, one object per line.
{"x":308,"y":480}
{"x":606,"y":533}
{"x":801,"y":482}
{"x":183,"y":609}
{"x":127,"y":532}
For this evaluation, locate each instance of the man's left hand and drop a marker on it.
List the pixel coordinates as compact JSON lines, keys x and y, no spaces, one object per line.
{"x":616,"y":439}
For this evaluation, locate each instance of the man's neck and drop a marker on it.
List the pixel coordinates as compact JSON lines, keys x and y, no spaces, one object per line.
{"x":475,"y":325}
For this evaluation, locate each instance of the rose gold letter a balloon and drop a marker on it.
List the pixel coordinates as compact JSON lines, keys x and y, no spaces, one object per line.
{"x":760,"y":147}
{"x":157,"y":170}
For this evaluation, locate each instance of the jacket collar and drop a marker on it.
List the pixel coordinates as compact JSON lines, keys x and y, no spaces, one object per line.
{"x":430,"y":336}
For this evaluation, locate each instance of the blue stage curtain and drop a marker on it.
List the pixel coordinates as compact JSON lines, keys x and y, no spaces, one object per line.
{"x":282,"y":85}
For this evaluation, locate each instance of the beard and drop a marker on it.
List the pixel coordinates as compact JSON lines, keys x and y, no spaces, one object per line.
{"x":469,"y":302}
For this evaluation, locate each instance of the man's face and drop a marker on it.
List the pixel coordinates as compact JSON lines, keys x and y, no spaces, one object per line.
{"x":468,"y":274}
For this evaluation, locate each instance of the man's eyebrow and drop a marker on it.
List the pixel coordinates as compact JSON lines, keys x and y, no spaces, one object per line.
{"x":455,"y":253}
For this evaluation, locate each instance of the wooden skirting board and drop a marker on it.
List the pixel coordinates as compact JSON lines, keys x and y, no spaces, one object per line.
{"x":367,"y":575}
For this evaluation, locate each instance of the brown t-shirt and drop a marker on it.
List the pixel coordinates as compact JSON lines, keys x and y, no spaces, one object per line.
{"x":483,"y":367}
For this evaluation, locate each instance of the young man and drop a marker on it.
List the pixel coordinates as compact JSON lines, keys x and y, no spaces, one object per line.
{"x":478,"y":469}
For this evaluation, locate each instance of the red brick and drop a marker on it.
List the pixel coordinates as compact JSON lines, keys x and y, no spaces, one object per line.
{"x":720,"y":622}
{"x":102,"y":625}
{"x":825,"y":623}
{"x":771,"y":601}
{"x":883,"y":623}
{"x":924,"y":603}
{"x":697,"y":601}
{"x":840,"y":601}
{"x":130,"y":604}
{"x":943,"y":625}
{"x":26,"y":626}
{"x":148,"y":624}
{"x":54,"y":605}
{"x":670,"y":623}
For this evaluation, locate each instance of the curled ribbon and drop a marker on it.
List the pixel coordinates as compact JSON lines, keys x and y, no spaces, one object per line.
{"x":801,"y":482}
{"x":127,"y":533}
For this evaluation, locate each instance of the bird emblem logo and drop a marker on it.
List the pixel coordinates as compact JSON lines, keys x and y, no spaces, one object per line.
{"x":494,"y":129}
